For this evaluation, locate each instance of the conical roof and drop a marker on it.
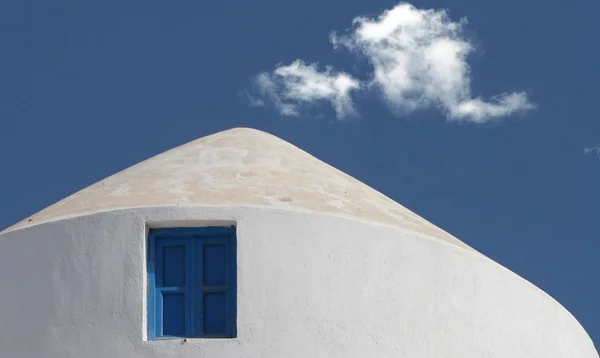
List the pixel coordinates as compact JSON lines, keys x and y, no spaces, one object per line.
{"x":240,"y":167}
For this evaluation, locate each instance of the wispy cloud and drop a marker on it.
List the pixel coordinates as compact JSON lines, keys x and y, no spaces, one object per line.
{"x":419,"y":60}
{"x":592,"y":150}
{"x":252,"y":100}
{"x":289,"y":87}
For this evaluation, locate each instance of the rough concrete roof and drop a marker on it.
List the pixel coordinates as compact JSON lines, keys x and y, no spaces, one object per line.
{"x":239,"y":167}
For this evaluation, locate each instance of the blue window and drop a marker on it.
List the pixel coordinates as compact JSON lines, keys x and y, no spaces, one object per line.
{"x":192,"y":283}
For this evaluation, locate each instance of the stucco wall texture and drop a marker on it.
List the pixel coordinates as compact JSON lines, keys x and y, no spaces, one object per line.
{"x":327,"y":267}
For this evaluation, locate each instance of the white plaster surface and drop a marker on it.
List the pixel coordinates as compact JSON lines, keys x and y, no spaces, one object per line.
{"x":309,"y":285}
{"x":244,"y":167}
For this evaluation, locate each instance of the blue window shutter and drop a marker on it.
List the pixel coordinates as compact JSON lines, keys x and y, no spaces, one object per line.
{"x":214,"y":255}
{"x":192,"y":283}
{"x":173,"y":288}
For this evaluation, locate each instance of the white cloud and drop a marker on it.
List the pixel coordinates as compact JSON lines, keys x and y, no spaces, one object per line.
{"x":592,"y":150}
{"x":419,"y":60}
{"x":478,"y":110}
{"x":288,"y":87}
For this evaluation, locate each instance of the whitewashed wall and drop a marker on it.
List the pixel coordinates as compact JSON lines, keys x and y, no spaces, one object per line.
{"x":308,"y":286}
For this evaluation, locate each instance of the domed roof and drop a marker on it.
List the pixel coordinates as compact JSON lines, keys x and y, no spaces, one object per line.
{"x":240,"y":167}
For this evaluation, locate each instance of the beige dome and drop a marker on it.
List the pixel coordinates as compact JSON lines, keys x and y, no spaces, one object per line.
{"x":239,"y":167}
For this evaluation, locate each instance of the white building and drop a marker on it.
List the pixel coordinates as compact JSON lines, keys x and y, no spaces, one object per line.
{"x":242,"y":245}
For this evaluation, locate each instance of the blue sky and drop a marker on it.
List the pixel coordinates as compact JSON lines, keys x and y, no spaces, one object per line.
{"x":485,"y":136}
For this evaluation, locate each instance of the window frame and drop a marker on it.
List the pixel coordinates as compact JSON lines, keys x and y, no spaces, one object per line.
{"x":194,"y":239}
